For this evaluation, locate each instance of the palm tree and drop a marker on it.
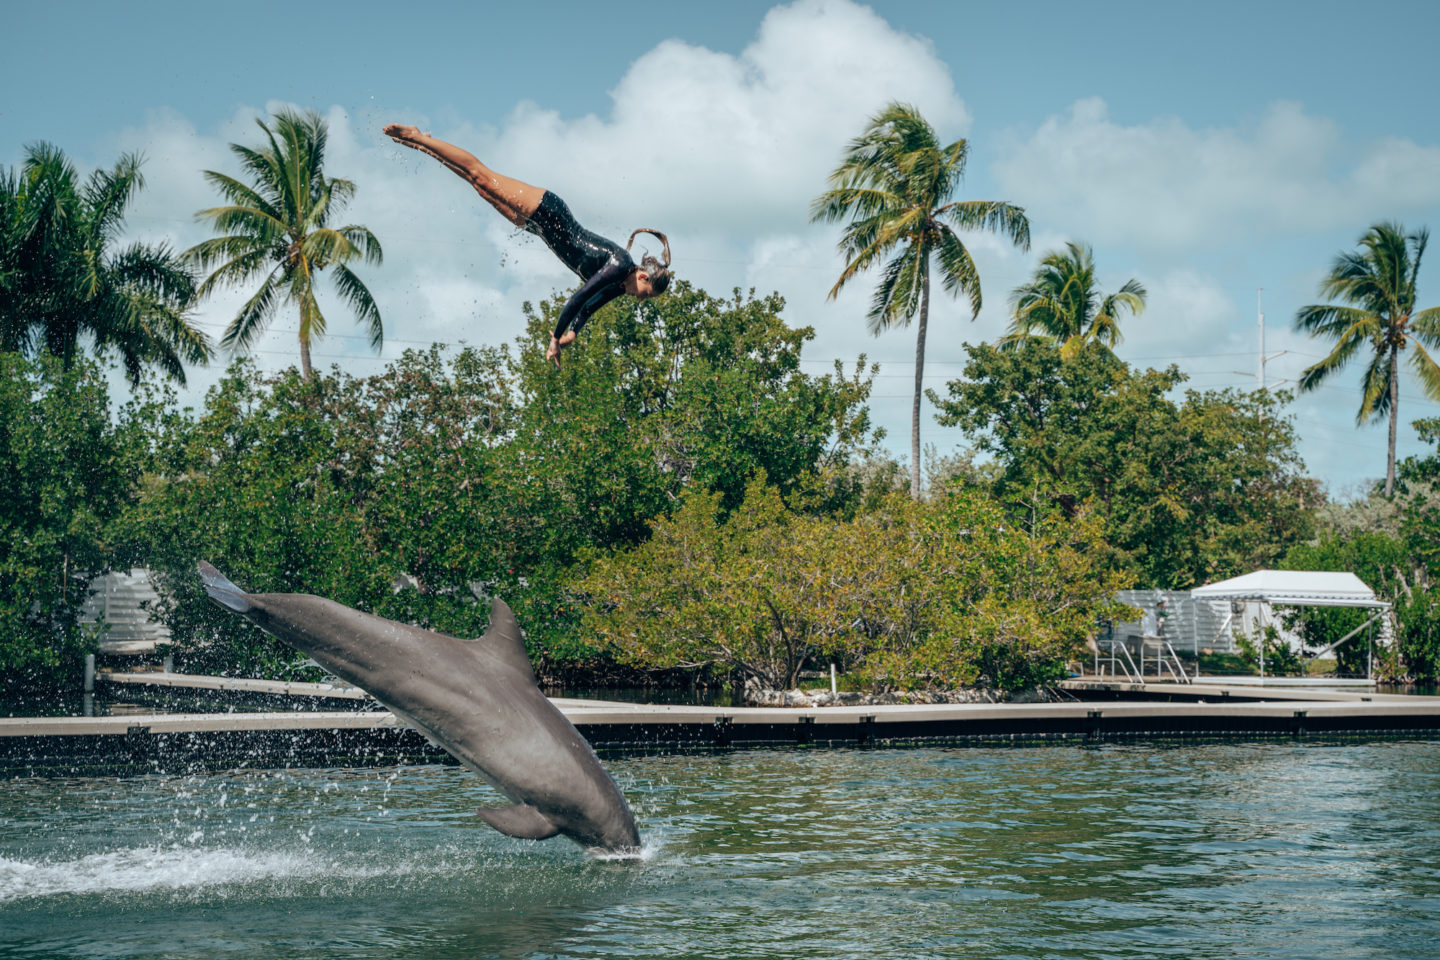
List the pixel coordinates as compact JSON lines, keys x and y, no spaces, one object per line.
{"x":278,"y":228}
{"x":894,"y":184}
{"x":1062,"y":303}
{"x":61,"y":278}
{"x":1379,"y":283}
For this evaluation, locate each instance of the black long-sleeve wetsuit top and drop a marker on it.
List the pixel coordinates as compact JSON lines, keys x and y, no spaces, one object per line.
{"x":601,"y":263}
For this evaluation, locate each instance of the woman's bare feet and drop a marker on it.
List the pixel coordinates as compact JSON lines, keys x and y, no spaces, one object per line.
{"x":405,"y":133}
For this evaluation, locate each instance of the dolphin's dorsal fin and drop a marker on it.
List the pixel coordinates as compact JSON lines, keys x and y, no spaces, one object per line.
{"x":503,"y":639}
{"x":521,"y":820}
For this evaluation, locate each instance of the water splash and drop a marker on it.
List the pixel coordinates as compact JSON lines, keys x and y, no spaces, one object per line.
{"x":173,"y":868}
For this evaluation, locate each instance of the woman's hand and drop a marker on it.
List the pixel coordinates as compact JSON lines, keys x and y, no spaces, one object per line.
{"x":557,"y":345}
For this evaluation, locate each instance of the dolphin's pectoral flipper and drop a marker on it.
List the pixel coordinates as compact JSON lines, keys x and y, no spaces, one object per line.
{"x":222,"y":590}
{"x":521,"y":820}
{"x":504,"y":641}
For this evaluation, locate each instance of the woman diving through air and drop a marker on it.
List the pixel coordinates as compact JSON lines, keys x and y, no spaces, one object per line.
{"x":603,"y":265}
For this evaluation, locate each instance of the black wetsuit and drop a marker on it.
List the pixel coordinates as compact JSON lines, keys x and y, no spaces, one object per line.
{"x":602,"y":264}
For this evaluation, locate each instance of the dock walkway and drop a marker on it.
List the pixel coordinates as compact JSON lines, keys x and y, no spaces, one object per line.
{"x":180,"y":743}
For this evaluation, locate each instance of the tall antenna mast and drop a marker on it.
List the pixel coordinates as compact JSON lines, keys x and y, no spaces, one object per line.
{"x":1260,"y":310}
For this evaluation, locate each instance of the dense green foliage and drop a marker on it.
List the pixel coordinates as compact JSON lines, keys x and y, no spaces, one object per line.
{"x":62,"y":279}
{"x":894,"y":187}
{"x":1187,"y":492}
{"x":412,"y":493}
{"x":276,"y":229}
{"x":1377,"y":287}
{"x":68,"y":472}
{"x":945,"y":592}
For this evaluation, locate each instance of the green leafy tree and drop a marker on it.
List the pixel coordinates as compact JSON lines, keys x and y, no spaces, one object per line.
{"x":1377,"y":288}
{"x":366,"y":490}
{"x":277,"y":229}
{"x":762,"y":591}
{"x":72,"y":466}
{"x":1379,"y":560}
{"x":914,"y":595}
{"x":687,"y":391}
{"x":894,"y":186}
{"x":1001,"y":601}
{"x":1063,"y":303}
{"x":65,"y":277}
{"x":1420,"y":507}
{"x":1418,"y":603}
{"x":1188,"y":492}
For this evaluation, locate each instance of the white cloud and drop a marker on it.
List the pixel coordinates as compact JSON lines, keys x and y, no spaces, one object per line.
{"x":710,"y":141}
{"x":1187,"y":314}
{"x":1165,"y":184}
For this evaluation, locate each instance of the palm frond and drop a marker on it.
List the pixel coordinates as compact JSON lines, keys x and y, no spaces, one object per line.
{"x":324,"y":246}
{"x":158,"y":271}
{"x":991,"y":215}
{"x":837,"y":204}
{"x":1375,"y":388}
{"x":231,"y":261}
{"x":1332,"y":321}
{"x":1425,"y":324}
{"x":255,"y":314}
{"x":312,"y":319}
{"x":362,"y":303}
{"x":897,"y":295}
{"x":238,"y":195}
{"x":363,"y":240}
{"x":1426,"y":370}
{"x":108,"y":193}
{"x":958,"y":273}
{"x":1339,"y":355}
{"x":866,"y":243}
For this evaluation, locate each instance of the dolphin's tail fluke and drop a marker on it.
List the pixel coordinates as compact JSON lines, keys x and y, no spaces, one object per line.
{"x":222,"y":590}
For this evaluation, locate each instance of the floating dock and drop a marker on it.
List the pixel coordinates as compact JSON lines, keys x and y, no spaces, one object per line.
{"x":191,"y":742}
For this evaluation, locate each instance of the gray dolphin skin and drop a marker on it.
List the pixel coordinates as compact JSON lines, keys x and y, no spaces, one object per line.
{"x":477,"y":699}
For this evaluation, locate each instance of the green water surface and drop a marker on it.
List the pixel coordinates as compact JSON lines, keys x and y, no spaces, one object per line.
{"x":1247,"y":850}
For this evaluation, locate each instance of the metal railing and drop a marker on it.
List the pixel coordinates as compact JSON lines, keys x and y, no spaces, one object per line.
{"x":1119,"y":660}
{"x":1165,"y":659}
{"x":1120,"y":663}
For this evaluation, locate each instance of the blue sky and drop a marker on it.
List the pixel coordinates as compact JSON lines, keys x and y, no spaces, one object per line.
{"x":1207,"y":150}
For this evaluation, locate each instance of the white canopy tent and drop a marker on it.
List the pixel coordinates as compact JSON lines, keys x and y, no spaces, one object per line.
{"x":1297,"y":588}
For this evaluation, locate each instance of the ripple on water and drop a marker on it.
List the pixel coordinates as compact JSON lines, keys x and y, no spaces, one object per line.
{"x":1269,"y":850}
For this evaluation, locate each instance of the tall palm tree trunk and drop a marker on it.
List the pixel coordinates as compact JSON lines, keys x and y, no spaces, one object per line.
{"x":919,"y":377}
{"x":306,"y":332}
{"x":1394,"y":417}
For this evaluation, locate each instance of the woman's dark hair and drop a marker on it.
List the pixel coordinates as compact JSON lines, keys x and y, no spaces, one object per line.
{"x":659,"y":273}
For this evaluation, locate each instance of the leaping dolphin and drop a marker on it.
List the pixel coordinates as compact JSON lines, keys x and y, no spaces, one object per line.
{"x":476,"y":698}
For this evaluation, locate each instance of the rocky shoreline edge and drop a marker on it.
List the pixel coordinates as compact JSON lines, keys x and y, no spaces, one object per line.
{"x":760,"y":696}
